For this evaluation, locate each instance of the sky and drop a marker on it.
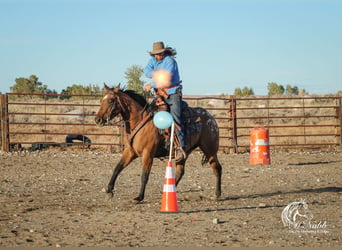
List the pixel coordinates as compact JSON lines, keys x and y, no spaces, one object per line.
{"x":221,"y":44}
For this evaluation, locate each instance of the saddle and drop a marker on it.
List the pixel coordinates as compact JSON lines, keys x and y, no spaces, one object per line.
{"x":190,"y":118}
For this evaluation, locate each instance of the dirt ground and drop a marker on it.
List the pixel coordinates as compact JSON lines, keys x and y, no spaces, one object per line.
{"x":54,"y":198}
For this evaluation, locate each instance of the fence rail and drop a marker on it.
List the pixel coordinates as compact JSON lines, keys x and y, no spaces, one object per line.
{"x":294,"y":123}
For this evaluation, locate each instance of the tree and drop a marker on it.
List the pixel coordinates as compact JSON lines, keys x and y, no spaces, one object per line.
{"x":28,"y":85}
{"x":31,"y":85}
{"x":247,"y":91}
{"x":238,"y":92}
{"x":275,"y":89}
{"x":302,"y":92}
{"x":133,"y":75}
{"x":291,"y":90}
{"x":78,"y":89}
{"x":244,"y":92}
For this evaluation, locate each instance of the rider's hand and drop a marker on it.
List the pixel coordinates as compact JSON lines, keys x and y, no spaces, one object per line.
{"x":148,"y":87}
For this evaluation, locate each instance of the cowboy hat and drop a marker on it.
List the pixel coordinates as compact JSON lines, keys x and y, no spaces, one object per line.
{"x":158,"y":47}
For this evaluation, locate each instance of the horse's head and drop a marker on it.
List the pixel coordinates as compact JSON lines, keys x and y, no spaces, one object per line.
{"x":110,"y":105}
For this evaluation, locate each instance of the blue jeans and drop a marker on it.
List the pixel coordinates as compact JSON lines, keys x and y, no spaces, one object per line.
{"x":175,"y":103}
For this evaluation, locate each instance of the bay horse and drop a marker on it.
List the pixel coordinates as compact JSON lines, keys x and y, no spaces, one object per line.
{"x":143,"y":139}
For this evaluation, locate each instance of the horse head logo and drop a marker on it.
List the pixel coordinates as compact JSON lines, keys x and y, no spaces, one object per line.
{"x":296,"y":214}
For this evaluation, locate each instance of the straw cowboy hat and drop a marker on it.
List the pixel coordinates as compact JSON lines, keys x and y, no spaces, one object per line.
{"x":158,"y":47}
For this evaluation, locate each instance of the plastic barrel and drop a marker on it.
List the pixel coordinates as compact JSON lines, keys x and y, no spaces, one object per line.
{"x":259,"y":146}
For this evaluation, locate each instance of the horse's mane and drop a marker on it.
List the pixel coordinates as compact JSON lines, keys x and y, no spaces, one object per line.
{"x":137,"y":97}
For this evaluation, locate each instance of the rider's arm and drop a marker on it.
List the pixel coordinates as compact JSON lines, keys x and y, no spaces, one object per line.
{"x":150,"y":67}
{"x":148,"y":71}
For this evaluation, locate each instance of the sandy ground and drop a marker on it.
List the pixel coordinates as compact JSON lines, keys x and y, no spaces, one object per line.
{"x":54,"y":198}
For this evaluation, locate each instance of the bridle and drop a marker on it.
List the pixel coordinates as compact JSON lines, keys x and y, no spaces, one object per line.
{"x":112,"y":107}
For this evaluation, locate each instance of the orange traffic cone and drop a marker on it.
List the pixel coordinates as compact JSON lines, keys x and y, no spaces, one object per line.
{"x":169,"y":200}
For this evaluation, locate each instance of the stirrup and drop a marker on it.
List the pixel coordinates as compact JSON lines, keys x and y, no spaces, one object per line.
{"x":180,"y":154}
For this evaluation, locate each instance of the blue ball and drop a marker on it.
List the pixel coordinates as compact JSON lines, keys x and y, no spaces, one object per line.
{"x":163,"y":119}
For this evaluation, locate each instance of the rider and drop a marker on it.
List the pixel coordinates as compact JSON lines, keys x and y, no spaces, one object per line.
{"x":162,"y":58}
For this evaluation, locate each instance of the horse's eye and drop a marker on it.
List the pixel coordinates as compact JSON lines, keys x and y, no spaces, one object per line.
{"x":111,"y":101}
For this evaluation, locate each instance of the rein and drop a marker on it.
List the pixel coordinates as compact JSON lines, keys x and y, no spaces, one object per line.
{"x":140,"y":124}
{"x":122,"y":108}
{"x":131,"y":119}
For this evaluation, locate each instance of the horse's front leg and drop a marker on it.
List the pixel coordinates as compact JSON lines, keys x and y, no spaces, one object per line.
{"x":147,"y":160}
{"x":117,"y":170}
{"x":127,"y":157}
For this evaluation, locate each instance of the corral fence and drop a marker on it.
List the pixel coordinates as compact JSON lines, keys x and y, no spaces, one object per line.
{"x":35,"y":121}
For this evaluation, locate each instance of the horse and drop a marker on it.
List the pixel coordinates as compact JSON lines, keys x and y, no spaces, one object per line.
{"x":143,"y":139}
{"x":295,"y":214}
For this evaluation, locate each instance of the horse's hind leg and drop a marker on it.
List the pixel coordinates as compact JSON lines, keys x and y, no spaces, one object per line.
{"x":179,"y":170}
{"x":216,"y":167}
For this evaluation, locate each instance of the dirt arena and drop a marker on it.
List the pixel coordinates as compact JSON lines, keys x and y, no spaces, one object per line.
{"x":54,"y":198}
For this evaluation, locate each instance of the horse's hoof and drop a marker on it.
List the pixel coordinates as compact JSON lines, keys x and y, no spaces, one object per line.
{"x":218,"y":195}
{"x":109,"y":196}
{"x":107,"y":191}
{"x":219,"y":198}
{"x":137,"y":200}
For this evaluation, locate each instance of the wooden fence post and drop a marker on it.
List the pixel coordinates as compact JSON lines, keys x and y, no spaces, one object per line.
{"x":339,"y":122}
{"x":4,"y":123}
{"x":232,"y":114}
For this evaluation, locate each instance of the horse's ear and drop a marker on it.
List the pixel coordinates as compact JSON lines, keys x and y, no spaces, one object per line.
{"x":117,"y":88}
{"x":105,"y":87}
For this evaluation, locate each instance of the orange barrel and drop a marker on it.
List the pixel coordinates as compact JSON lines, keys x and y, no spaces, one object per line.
{"x":259,"y":146}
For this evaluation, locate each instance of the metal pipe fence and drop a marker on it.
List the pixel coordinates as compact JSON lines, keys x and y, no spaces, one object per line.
{"x":294,"y":123}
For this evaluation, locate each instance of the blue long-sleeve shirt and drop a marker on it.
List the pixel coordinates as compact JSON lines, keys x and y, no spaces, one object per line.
{"x":168,"y":63}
